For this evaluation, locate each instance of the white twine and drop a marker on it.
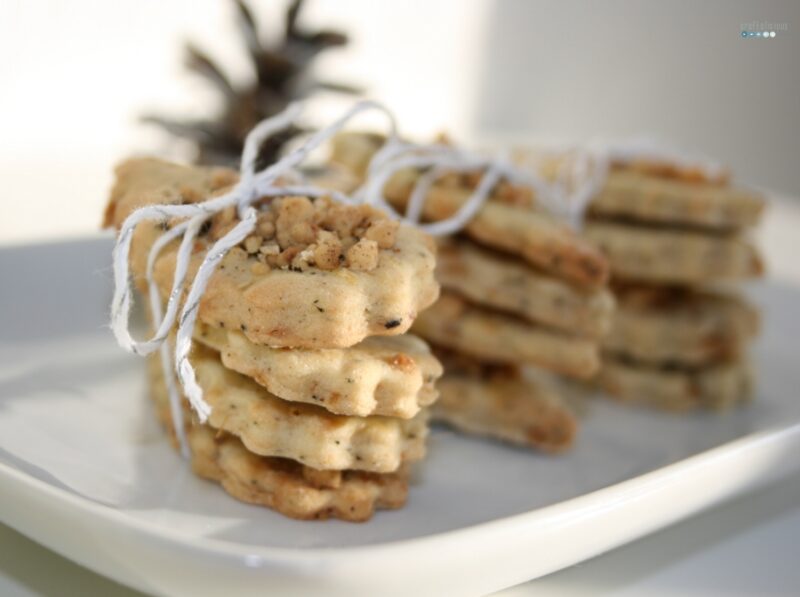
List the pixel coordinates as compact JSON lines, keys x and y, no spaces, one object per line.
{"x":437,"y":160}
{"x":580,"y":176}
{"x":583,"y":170}
{"x":252,"y":186}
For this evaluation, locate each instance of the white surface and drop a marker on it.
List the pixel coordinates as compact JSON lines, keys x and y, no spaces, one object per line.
{"x":747,"y":547}
{"x":86,"y":471}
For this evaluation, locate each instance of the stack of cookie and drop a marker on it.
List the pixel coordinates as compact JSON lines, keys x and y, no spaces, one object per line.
{"x":318,"y":398}
{"x":520,"y":288}
{"x":676,"y":235}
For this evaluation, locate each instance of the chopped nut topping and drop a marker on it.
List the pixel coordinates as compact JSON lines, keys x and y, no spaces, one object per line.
{"x":363,"y":256}
{"x":270,"y":249}
{"x":266,"y":227}
{"x":300,"y":233}
{"x":287,"y":256}
{"x":253,"y":243}
{"x":383,"y":232}
{"x":295,"y":221}
{"x":328,"y":253}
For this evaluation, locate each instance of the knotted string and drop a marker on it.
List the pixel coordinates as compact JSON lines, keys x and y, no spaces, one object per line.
{"x":436,"y":161}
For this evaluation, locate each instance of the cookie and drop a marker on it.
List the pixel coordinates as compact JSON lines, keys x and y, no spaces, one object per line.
{"x":509,"y":221}
{"x":679,"y":325}
{"x":715,"y":387}
{"x":309,"y":434}
{"x":535,"y":236}
{"x":502,"y":405}
{"x":670,"y":165}
{"x":314,"y":274}
{"x":353,"y":151}
{"x":496,"y":337}
{"x":510,"y":285}
{"x":383,"y":375}
{"x":673,"y":256}
{"x":636,"y":195}
{"x":283,"y":485}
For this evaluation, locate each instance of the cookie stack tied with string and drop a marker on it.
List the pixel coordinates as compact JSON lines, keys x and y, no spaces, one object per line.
{"x":283,"y":309}
{"x":520,"y":288}
{"x":677,"y":235}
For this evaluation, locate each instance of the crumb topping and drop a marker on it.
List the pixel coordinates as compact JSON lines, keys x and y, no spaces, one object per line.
{"x":299,"y":233}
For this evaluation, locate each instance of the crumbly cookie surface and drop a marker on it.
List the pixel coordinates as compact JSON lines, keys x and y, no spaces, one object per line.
{"x":680,"y":326}
{"x":716,"y":387}
{"x":283,"y":485}
{"x":673,"y":256}
{"x":638,"y":195}
{"x":510,"y":285}
{"x":309,"y":434}
{"x":382,"y":375}
{"x":314,"y":274}
{"x":493,"y":336}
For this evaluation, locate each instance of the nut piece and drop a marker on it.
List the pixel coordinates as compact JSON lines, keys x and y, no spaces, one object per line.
{"x":328,"y":253}
{"x":383,"y":232}
{"x":266,"y":225}
{"x":363,"y":256}
{"x":294,"y":221}
{"x":300,"y":233}
{"x":253,"y":243}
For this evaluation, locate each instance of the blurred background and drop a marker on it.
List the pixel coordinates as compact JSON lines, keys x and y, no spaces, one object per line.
{"x":77,"y":76}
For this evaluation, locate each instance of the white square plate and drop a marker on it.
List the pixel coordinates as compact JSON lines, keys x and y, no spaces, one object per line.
{"x":85,"y":470}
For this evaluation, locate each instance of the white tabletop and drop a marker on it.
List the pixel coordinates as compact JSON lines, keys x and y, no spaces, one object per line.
{"x":746,"y":547}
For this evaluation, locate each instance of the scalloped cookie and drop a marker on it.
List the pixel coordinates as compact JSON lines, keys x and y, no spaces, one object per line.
{"x":497,"y":402}
{"x":674,"y":256}
{"x":680,"y":325}
{"x":281,"y":484}
{"x":498,"y":281}
{"x":309,"y":434}
{"x":383,"y":375}
{"x":314,"y":274}
{"x":716,"y":387}
{"x":496,"y":337}
{"x":637,"y":195}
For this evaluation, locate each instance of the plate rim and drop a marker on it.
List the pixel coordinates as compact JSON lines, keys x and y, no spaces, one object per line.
{"x":618,"y":493}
